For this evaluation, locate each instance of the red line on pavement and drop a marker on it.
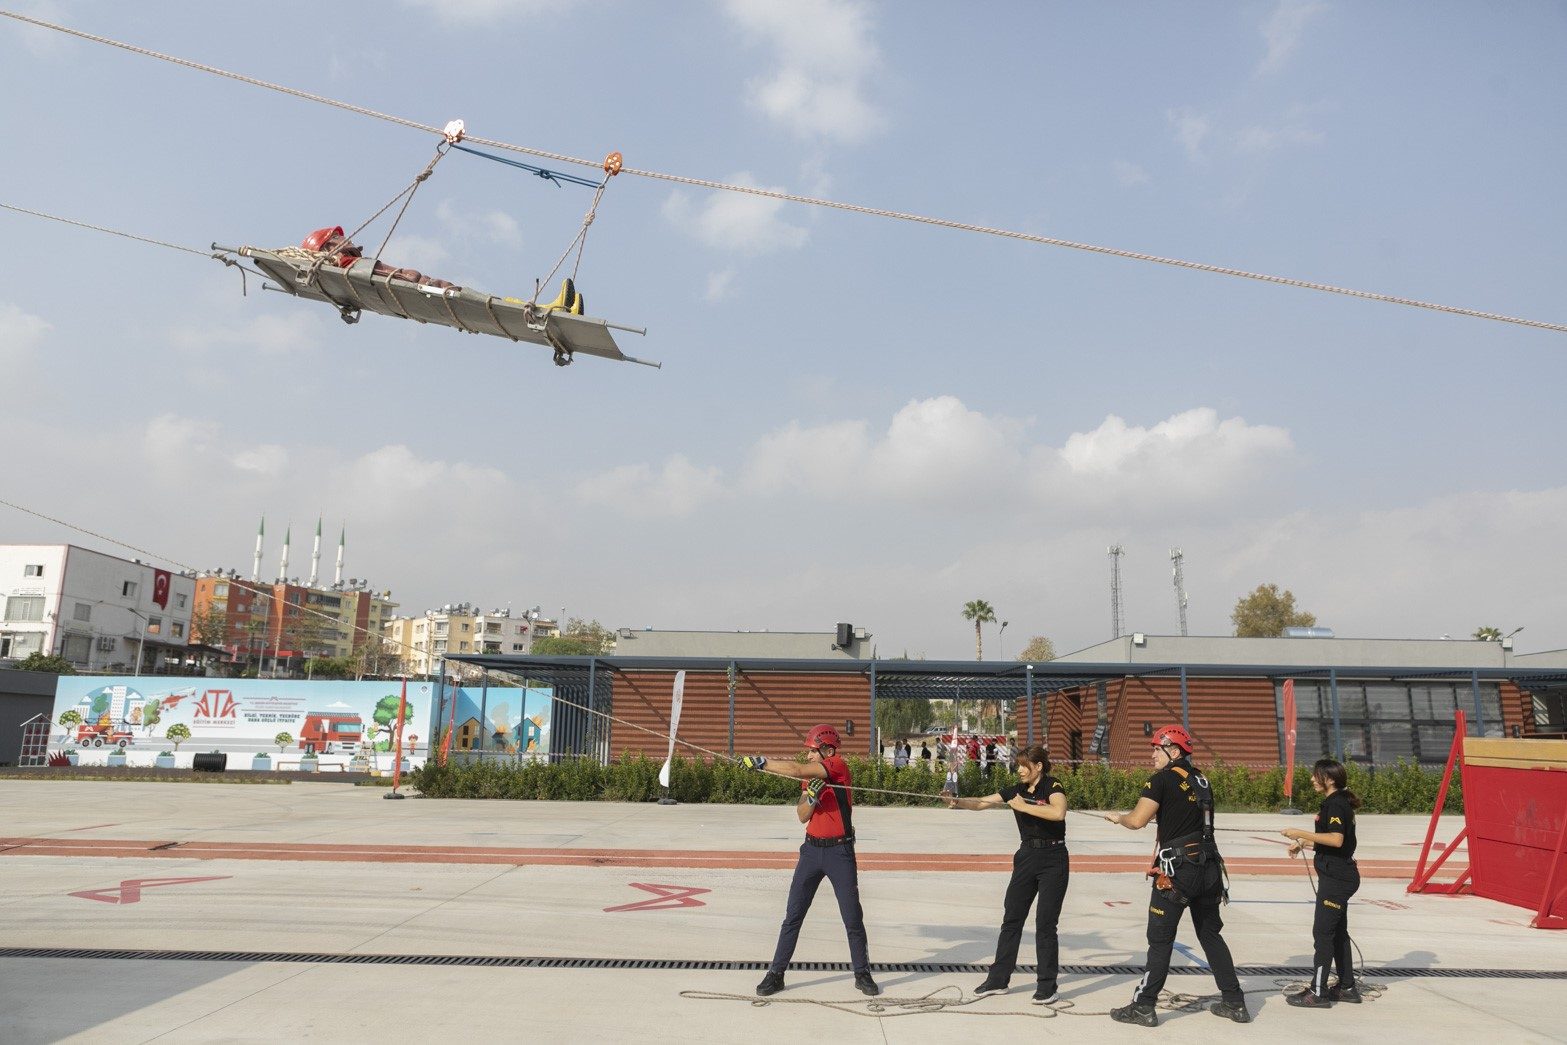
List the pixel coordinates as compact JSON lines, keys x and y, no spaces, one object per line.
{"x":691,"y":858}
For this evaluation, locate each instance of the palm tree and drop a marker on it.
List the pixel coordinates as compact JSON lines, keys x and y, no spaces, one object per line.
{"x":1488,"y":634}
{"x":980,"y":612}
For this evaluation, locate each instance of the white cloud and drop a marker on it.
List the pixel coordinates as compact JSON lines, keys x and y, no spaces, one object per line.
{"x":719,"y":285}
{"x":496,"y":226}
{"x":1283,"y":31}
{"x":1128,"y":174}
{"x":1191,"y":130}
{"x":677,"y":489}
{"x":170,"y":437}
{"x":415,"y":252}
{"x":296,"y":330}
{"x":736,"y":222}
{"x":1258,"y":139}
{"x":825,"y":56}
{"x":266,"y":459}
{"x":467,"y":13}
{"x":936,"y":450}
{"x":20,"y":334}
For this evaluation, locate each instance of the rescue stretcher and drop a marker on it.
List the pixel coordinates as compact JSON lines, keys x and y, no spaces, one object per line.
{"x":360,"y":287}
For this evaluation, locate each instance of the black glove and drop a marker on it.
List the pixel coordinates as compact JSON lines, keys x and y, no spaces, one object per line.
{"x":813,"y":791}
{"x":757,"y":762}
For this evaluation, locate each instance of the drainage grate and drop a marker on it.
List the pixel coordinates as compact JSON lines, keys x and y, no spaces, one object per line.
{"x":518,"y":962}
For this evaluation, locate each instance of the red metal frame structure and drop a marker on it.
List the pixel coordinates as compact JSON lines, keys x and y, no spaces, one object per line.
{"x":1515,"y":821}
{"x":1422,"y":883}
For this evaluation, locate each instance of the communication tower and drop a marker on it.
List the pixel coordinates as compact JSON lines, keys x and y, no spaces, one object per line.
{"x":1116,"y":624}
{"x":1180,"y":586}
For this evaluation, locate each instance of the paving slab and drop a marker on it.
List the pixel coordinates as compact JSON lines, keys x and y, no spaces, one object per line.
{"x":282,"y":936}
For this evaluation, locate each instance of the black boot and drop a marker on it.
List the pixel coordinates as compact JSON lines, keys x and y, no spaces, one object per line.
{"x":1231,"y":1010}
{"x":991,"y":986}
{"x":772,"y":983}
{"x":1307,"y":1000}
{"x":1350,"y":995}
{"x":866,"y":985}
{"x":1141,"y":1015}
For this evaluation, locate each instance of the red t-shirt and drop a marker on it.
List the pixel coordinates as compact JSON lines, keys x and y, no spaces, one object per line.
{"x":827,"y":819}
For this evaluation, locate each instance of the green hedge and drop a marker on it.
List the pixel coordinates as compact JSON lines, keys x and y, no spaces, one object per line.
{"x":1402,"y":788}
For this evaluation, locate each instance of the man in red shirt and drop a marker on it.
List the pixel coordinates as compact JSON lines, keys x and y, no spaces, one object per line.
{"x":827,"y":811}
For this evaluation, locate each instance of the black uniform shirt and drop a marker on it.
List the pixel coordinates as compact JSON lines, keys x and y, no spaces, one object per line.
{"x":1179,"y":813}
{"x":1029,"y":827}
{"x":1336,"y":817}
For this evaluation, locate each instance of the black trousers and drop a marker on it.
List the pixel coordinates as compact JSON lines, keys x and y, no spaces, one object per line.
{"x":1037,"y":875}
{"x":1337,"y":881}
{"x":837,"y":865}
{"x":1203,"y":887}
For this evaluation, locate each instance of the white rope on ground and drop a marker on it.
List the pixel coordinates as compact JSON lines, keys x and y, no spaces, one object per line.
{"x":705,"y":183}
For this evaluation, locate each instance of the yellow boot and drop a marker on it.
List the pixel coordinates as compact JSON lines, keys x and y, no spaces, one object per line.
{"x":568,"y":300}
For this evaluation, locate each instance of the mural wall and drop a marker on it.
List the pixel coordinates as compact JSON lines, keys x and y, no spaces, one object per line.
{"x":339,"y":722}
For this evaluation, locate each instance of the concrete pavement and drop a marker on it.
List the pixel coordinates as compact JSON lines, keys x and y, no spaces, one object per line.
{"x":263,"y":919}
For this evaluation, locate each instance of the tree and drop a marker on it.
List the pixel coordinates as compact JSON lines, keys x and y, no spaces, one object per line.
{"x":1266,"y":612}
{"x":980,"y":612}
{"x":331,"y":667}
{"x":592,"y":632}
{"x":151,"y":712}
{"x":70,"y":719}
{"x":209,"y":626}
{"x":282,"y":740}
{"x":178,"y":733}
{"x":1038,"y":648}
{"x":1488,"y":634}
{"x":902,"y":718}
{"x":49,"y":665}
{"x":385,"y":716}
{"x":566,"y":646}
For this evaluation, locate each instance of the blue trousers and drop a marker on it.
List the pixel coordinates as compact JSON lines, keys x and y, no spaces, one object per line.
{"x":837,"y":865}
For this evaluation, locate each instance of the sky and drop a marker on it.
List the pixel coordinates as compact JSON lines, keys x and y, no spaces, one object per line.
{"x":857,"y":419}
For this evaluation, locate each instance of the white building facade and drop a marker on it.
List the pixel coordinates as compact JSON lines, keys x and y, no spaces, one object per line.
{"x":99,"y":612}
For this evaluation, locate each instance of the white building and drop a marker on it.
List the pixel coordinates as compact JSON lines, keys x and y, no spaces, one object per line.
{"x":100,"y":612}
{"x":423,"y":642}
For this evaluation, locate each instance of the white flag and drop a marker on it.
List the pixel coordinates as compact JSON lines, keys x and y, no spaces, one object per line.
{"x":674,"y":726}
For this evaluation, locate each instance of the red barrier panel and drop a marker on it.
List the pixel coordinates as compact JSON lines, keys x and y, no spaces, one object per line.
{"x":1515,"y":822}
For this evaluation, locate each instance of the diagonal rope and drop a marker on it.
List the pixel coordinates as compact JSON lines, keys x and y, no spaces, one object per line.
{"x":112,"y":232}
{"x":789,"y":197}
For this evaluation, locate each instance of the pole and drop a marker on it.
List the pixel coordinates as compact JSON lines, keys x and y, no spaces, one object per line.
{"x":1338,"y":728}
{"x":1474,"y":689}
{"x":1028,"y":684}
{"x":1186,"y":711}
{"x":874,"y":731}
{"x":397,"y":753}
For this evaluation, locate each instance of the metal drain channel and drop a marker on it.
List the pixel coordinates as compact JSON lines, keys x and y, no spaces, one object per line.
{"x":680,"y":964}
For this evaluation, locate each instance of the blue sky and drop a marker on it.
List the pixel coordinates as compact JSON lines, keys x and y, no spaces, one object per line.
{"x":858,"y":419}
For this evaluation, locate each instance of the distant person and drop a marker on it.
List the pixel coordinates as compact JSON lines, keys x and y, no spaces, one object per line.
{"x":900,"y":755}
{"x":941,"y":750}
{"x":1188,"y":872}
{"x":1332,"y":842}
{"x":925,"y":754}
{"x":990,"y":756}
{"x":826,"y":809}
{"x":1040,"y":871}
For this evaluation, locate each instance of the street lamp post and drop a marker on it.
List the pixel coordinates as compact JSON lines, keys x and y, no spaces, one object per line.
{"x":1001,"y":639}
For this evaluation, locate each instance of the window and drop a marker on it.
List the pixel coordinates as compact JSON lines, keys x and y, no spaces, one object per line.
{"x":77,"y":648}
{"x":33,"y":570}
{"x":465,"y":627}
{"x":83,"y":611}
{"x":219,"y":590}
{"x":179,"y":601}
{"x":24,"y":607}
{"x":128,"y":589}
{"x":178,"y":630}
{"x":154,"y":625}
{"x":516,"y":647}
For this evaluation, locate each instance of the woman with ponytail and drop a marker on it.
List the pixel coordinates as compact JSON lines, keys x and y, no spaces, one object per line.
{"x":1040,"y":870}
{"x":1333,"y":847}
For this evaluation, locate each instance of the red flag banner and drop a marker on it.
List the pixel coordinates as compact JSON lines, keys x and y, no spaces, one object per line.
{"x":1289,"y":739}
{"x":160,"y":588}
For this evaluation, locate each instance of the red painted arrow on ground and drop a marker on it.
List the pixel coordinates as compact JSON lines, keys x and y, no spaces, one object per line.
{"x":1117,"y":903}
{"x":129,"y":891}
{"x":666,"y":898}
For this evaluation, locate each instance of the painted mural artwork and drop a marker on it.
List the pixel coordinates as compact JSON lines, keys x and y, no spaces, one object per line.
{"x":348,"y":725}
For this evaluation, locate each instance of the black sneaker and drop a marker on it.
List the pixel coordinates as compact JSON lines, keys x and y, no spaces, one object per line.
{"x":1044,"y":997}
{"x":772,"y":983}
{"x":1231,"y":1011}
{"x":1350,"y":995}
{"x":1142,"y":1015}
{"x":990,"y":987}
{"x":866,"y":985}
{"x":1307,"y":1000}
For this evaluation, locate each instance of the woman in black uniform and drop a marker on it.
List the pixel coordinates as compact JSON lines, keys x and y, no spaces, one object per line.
{"x":1039,"y":870}
{"x":1333,"y":846}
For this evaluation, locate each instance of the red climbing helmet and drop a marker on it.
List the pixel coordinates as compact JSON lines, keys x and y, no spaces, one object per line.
{"x":319,"y":239}
{"x":821,"y":736}
{"x":1172,"y":735}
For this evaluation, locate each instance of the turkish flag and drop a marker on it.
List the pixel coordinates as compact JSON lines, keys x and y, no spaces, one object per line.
{"x":1289,"y":739}
{"x":160,"y":588}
